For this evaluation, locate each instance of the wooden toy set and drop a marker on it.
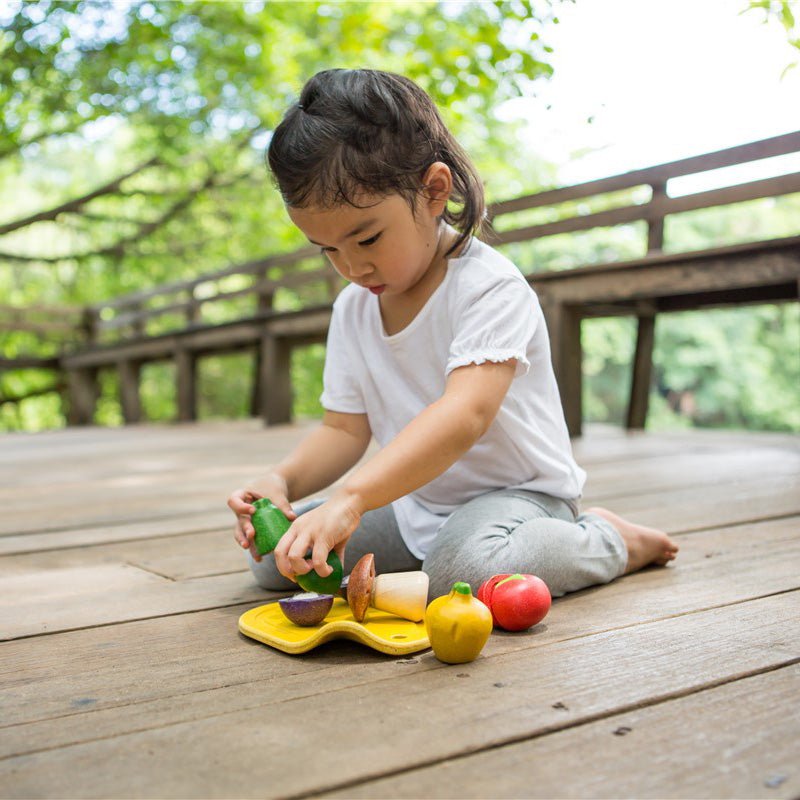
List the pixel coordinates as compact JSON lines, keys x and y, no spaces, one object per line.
{"x":388,"y":612}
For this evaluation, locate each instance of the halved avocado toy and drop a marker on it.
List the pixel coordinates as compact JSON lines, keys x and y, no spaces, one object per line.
{"x":270,"y":524}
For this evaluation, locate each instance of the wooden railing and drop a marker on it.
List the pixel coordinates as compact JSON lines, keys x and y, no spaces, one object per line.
{"x":186,"y":319}
{"x":659,"y":205}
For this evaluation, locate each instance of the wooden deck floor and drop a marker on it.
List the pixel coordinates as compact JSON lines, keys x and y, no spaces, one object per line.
{"x":123,"y":673}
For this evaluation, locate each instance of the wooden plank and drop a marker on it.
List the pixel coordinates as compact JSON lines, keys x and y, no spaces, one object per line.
{"x":701,"y":745}
{"x":309,"y":324}
{"x":78,"y":539}
{"x":394,"y":724}
{"x":94,"y":602}
{"x":660,"y":206}
{"x":176,"y":557}
{"x":786,"y":245}
{"x":669,"y":280}
{"x":715,"y":570}
{"x":682,"y":469}
{"x":599,"y":219}
{"x":145,"y":486}
{"x":28,"y":362}
{"x":605,"y":443}
{"x":709,"y":506}
{"x":255,"y":265}
{"x":754,"y":151}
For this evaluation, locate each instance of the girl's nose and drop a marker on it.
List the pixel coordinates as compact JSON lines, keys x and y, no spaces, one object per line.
{"x":358,"y":268}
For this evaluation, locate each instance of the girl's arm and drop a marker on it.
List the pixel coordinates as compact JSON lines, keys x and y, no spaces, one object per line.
{"x":326,"y":454}
{"x":436,"y":438}
{"x":431,"y":443}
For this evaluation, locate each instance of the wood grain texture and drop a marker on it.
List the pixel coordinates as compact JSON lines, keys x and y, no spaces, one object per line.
{"x":442,"y":712}
{"x":128,"y":676}
{"x":695,"y":746}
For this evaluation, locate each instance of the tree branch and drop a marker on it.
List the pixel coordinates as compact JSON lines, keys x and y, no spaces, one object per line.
{"x":78,"y":202}
{"x":118,"y":248}
{"x":75,"y":125}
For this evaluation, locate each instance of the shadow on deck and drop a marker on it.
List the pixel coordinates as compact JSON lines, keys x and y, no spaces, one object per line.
{"x":123,"y":673}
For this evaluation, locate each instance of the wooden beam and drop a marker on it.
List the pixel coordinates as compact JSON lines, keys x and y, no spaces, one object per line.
{"x":650,"y":280}
{"x":656,"y":209}
{"x":753,"y":151}
{"x":28,"y":362}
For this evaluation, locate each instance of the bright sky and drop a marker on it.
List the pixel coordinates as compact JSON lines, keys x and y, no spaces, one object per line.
{"x":663,"y":80}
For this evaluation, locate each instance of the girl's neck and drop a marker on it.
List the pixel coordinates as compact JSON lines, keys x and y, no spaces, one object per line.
{"x":398,"y":312}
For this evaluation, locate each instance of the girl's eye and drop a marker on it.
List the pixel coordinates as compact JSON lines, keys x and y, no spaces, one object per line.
{"x":371,"y":240}
{"x":326,"y":249}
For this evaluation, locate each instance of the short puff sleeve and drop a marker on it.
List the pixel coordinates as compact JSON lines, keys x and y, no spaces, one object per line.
{"x":496,"y":323}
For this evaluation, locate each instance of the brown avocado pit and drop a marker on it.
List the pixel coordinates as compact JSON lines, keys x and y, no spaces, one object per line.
{"x":359,"y":586}
{"x":306,"y":608}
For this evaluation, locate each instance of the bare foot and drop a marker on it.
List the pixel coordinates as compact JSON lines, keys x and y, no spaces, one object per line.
{"x":645,"y":545}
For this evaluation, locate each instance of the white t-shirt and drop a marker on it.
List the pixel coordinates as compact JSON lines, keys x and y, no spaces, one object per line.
{"x":484,"y":310}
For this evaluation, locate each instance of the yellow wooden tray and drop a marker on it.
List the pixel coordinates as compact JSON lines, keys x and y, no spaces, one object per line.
{"x":379,"y":630}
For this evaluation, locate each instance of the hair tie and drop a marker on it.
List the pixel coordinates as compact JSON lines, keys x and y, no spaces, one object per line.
{"x":301,"y":106}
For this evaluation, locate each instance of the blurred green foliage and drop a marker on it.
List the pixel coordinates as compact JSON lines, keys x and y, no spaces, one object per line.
{"x":185,"y":94}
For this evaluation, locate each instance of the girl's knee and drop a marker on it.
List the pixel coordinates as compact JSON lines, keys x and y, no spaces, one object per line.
{"x":267,"y":576}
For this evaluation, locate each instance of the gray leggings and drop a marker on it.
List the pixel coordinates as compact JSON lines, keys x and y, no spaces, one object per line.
{"x":510,"y":530}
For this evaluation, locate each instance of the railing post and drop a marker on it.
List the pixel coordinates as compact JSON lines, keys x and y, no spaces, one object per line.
{"x":186,"y":375}
{"x":82,"y":391}
{"x":642,"y":371}
{"x":193,"y":309}
{"x":130,"y":400}
{"x":264,"y":304}
{"x":138,"y":326}
{"x":276,"y":381}
{"x":564,"y":328}
{"x":642,"y":367}
{"x":655,"y":222}
{"x":90,"y":324}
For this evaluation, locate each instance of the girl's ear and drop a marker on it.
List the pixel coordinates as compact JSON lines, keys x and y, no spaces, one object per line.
{"x":437,"y":184}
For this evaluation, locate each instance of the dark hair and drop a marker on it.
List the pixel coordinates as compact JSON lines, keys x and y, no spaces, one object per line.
{"x":363,"y":130}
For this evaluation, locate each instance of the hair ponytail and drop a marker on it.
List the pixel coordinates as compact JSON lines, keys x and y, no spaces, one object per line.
{"x":365,"y":131}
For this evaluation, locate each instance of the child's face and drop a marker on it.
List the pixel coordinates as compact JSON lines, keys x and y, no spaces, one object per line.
{"x":383,"y":247}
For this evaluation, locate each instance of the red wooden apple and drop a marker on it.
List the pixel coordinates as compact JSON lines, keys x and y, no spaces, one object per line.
{"x":517,"y":602}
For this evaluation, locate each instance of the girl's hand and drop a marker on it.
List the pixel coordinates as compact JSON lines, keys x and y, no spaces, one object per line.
{"x":325,"y":528}
{"x":240,"y":502}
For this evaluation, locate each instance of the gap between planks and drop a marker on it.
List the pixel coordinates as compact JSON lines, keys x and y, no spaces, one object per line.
{"x":487,"y":718}
{"x":571,"y":620}
{"x":550,"y":765}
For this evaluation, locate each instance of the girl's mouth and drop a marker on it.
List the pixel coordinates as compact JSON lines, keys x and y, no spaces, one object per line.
{"x":377,"y":289}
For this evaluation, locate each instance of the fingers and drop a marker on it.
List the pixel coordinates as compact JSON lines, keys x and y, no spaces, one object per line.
{"x":319,"y":557}
{"x":240,"y":502}
{"x":255,"y":553}
{"x":287,"y":565}
{"x":284,"y":506}
{"x":296,"y":555}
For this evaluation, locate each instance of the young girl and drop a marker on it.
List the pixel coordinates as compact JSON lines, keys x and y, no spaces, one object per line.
{"x":438,"y":349}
